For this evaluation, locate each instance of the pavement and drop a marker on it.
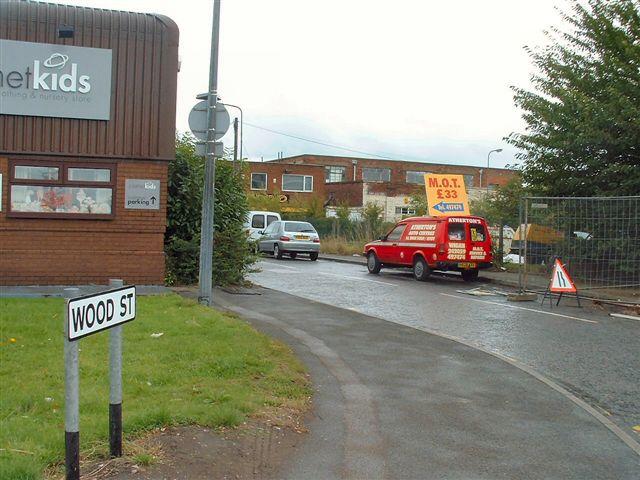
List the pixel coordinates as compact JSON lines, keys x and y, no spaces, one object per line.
{"x":536,"y":283}
{"x":395,"y":402}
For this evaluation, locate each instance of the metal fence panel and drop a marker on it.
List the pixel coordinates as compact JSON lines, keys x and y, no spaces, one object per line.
{"x":598,"y":238}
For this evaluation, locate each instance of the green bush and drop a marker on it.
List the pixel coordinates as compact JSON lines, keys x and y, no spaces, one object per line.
{"x":232,"y":258}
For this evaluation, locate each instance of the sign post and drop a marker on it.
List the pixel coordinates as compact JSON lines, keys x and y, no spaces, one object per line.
{"x":71,"y":397}
{"x":446,"y":195}
{"x":85,"y":316}
{"x":115,"y":384}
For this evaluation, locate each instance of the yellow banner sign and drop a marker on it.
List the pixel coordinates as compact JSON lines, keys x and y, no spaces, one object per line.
{"x":446,"y":195}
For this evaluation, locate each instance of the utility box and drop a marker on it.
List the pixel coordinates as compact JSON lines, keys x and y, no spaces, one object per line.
{"x":87,"y":120}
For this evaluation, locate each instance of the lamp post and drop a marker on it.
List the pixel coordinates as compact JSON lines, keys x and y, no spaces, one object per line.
{"x":497,"y":150}
{"x":241,"y":124}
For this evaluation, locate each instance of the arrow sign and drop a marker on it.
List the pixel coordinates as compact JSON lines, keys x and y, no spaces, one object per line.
{"x":153,"y":200}
{"x":449,"y":207}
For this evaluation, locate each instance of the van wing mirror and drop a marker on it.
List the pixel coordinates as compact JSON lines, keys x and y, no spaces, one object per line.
{"x":382,"y":238}
{"x":261,"y":232}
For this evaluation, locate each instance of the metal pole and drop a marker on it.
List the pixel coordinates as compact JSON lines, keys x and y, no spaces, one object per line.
{"x":115,"y":384}
{"x":235,"y":141}
{"x":526,"y":237}
{"x":520,"y":234}
{"x":71,"y":396}
{"x":208,"y":197}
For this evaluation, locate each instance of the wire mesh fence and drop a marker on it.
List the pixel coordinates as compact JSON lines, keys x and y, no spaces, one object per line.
{"x":598,"y":238}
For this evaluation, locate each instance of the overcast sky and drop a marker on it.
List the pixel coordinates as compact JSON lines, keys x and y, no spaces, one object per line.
{"x":417,"y":80}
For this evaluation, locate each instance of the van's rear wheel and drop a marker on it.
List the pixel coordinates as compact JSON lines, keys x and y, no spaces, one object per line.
{"x":373,"y":263}
{"x":470,"y":275}
{"x":421,"y":270}
{"x":277,"y":252}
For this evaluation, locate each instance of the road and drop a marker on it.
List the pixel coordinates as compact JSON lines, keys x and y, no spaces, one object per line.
{"x":584,"y":350}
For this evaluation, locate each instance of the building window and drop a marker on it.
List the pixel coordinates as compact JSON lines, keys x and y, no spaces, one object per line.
{"x":297,"y":183}
{"x":405,"y":211}
{"x":62,"y":190}
{"x":468,"y":181}
{"x":258,"y":181}
{"x":334,"y":174}
{"x":416,"y":177}
{"x":376,"y":174}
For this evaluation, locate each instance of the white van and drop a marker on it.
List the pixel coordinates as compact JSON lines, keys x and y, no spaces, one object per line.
{"x":257,"y":221}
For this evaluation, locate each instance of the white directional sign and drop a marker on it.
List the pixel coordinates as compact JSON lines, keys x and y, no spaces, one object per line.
{"x":93,"y":313}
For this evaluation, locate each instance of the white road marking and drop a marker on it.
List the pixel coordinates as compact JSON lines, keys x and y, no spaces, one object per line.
{"x":520,"y":308}
{"x":349,"y":277}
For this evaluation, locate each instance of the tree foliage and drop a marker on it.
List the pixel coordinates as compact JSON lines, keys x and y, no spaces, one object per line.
{"x":583,"y":117}
{"x":503,"y":205}
{"x":232,"y":258}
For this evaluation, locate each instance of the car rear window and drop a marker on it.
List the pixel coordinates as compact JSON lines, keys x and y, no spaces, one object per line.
{"x":298,"y":227}
{"x":457,"y":231}
{"x":477,"y":233}
{"x":257,"y":221}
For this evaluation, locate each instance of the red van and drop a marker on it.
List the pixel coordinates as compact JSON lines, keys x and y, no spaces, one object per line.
{"x":459,"y":244}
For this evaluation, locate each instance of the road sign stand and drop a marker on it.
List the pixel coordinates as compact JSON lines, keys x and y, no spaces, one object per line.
{"x":560,"y":283}
{"x":115,"y":384}
{"x":71,"y":397}
{"x":86,"y":315}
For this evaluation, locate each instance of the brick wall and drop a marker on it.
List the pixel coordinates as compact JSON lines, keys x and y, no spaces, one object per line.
{"x":69,"y":251}
{"x":498,"y":176}
{"x":274,"y":173}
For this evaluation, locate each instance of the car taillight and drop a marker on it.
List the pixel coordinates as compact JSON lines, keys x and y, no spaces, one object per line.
{"x":284,"y":239}
{"x":316,"y":240}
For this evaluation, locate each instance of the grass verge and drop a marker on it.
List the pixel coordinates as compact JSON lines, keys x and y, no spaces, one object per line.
{"x":207,"y":368}
{"x":340,"y":246}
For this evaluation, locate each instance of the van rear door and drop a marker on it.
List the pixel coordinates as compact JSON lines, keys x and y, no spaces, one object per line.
{"x":480,"y":242}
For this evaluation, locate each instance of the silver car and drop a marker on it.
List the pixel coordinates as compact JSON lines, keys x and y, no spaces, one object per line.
{"x":290,"y":238}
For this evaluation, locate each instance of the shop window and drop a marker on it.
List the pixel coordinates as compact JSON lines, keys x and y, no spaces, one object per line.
{"x":376,"y":174}
{"x":258,"y":181}
{"x":62,"y":190}
{"x":297,"y":183}
{"x":335,"y":174}
{"x":416,"y":177}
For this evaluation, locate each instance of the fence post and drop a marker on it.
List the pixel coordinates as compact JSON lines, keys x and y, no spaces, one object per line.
{"x":520,"y":225}
{"x":71,"y":396}
{"x":115,"y":384}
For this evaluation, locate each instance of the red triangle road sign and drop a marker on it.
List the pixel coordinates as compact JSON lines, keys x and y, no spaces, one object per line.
{"x":560,"y":279}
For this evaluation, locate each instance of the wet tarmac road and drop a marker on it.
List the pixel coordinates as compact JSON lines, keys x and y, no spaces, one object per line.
{"x":589,"y":353}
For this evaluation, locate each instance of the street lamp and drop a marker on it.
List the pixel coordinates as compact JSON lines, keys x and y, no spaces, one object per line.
{"x":241,"y":124}
{"x":497,"y":150}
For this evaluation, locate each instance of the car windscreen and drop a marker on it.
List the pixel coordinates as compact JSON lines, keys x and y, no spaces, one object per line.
{"x":298,"y":227}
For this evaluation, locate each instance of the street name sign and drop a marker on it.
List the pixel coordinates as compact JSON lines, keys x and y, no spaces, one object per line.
{"x":446,"y":195}
{"x":94,"y":313}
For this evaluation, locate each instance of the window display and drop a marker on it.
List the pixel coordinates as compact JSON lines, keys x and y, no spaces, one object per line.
{"x":63,"y":190}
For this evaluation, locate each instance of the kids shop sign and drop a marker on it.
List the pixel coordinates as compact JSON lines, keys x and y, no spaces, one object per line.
{"x":47,"y":80}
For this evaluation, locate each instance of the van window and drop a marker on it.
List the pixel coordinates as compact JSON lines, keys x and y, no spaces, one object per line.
{"x":257,"y":221}
{"x":477,"y":233}
{"x":457,"y":231}
{"x":396,"y":233}
{"x":271,"y":219}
